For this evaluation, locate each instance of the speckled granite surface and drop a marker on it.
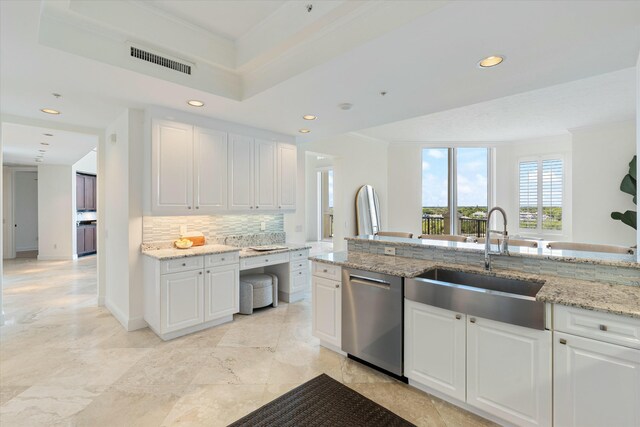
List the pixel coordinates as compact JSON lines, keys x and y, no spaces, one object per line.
{"x":248,"y":253}
{"x":174,"y":253}
{"x":596,"y":258}
{"x":605,"y":297}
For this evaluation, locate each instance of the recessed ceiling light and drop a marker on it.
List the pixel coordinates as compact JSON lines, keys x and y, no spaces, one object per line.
{"x":309,"y":117}
{"x":195,"y":103}
{"x":39,"y":160}
{"x":345,"y":106}
{"x":47,"y":134}
{"x":44,"y":143}
{"x":42,"y":151}
{"x":491,"y":61}
{"x":304,"y":131}
{"x":50,"y":111}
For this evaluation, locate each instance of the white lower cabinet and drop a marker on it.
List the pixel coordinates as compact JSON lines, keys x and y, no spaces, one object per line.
{"x":595,"y":383}
{"x":435,"y":348}
{"x":509,"y":371}
{"x":181,"y":304}
{"x":326,"y":298}
{"x":221,"y":292}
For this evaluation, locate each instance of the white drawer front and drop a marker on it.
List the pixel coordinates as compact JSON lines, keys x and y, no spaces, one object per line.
{"x":599,"y":326}
{"x":263,"y":260}
{"x":300,"y":255}
{"x":295,"y":265}
{"x":299,"y":281}
{"x":217,"y":260}
{"x":327,"y":271}
{"x":181,"y":264}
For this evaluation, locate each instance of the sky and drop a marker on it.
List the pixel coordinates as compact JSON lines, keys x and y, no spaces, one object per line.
{"x":472,"y":176}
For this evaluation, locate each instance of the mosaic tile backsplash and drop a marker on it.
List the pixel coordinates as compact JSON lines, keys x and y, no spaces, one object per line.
{"x":162,"y":228}
{"x":584,"y":271}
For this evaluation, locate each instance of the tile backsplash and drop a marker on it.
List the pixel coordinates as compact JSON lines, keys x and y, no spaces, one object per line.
{"x":160,"y":228}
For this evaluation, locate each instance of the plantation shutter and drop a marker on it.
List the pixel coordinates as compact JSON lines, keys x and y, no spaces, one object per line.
{"x":528,"y":209}
{"x":552,"y":188}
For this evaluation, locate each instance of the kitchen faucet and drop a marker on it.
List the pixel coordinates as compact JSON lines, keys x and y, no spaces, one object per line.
{"x":503,"y":249}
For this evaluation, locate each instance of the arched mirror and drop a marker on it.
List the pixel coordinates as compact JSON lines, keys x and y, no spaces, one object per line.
{"x":367,"y":210}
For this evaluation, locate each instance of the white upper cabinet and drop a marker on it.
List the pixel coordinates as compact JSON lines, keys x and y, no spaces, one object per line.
{"x":210,"y":170}
{"x":287,"y":176}
{"x":241,"y":169}
{"x":171,"y":167}
{"x":265,"y":174}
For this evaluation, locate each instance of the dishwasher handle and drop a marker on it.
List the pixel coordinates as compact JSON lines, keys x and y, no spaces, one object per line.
{"x":368,"y":281}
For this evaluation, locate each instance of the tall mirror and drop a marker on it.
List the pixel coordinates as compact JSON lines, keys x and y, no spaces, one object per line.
{"x":367,"y":210}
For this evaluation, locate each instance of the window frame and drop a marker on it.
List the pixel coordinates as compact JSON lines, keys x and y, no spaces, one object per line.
{"x":539,"y":231}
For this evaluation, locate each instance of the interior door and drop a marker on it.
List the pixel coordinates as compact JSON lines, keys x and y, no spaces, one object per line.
{"x":26,"y":211}
{"x":210,"y":170}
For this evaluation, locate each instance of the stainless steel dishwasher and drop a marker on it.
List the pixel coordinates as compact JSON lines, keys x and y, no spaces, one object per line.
{"x":372,"y":318}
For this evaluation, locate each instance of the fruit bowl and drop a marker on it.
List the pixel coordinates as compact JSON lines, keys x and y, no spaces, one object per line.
{"x":183,"y":243}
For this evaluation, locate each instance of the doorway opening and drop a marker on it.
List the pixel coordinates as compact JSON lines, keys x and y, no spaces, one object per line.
{"x":25,"y":213}
{"x":321,"y":205}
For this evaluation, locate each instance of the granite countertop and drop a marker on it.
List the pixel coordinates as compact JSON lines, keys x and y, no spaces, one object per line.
{"x":609,"y":298}
{"x":598,"y":258}
{"x":162,"y":252}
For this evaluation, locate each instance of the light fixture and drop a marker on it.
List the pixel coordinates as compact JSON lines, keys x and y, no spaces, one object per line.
{"x":345,"y":106}
{"x":309,"y":117}
{"x":491,"y":61}
{"x":44,"y":143}
{"x":39,"y":160}
{"x":49,"y":111}
{"x":42,"y":151}
{"x":195,"y":103}
{"x":304,"y":131}
{"x":47,"y":134}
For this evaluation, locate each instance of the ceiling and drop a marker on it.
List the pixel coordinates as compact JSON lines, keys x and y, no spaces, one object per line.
{"x":544,"y":112}
{"x":21,"y":145}
{"x":287,"y":62}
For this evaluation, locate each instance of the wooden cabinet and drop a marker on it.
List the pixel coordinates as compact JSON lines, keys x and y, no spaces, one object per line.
{"x":326,"y":298}
{"x":595,"y":383}
{"x":182,"y":297}
{"x":509,"y":371}
{"x":265,"y":174}
{"x":287,"y":176}
{"x":86,"y":239}
{"x":210,"y":171}
{"x":85,"y":192}
{"x":435,"y":348}
{"x":221,"y":292}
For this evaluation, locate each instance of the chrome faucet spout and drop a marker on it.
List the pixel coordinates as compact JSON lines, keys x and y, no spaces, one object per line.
{"x":503,"y":248}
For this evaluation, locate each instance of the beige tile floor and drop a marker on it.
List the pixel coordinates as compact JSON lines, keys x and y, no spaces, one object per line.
{"x":65,"y":361}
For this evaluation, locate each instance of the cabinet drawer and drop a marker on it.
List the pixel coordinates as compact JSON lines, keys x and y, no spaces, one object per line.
{"x":216,"y":260}
{"x":263,"y":260}
{"x":300,"y":255}
{"x":327,"y":271}
{"x":599,"y":326}
{"x":298,"y":265}
{"x":299,"y":281}
{"x":181,"y":264}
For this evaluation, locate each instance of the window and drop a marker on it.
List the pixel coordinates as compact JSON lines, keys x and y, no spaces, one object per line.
{"x":541,"y":194}
{"x":455,"y":180}
{"x":330,"y":186}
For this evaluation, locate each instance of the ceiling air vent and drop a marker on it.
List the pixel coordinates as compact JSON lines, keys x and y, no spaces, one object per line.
{"x":160,"y":60}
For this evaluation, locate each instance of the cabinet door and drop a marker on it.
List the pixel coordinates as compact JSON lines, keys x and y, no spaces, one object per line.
{"x":240,"y":172}
{"x":221,"y":292}
{"x":90,"y":239}
{"x":265,"y":174}
{"x":509,"y":371}
{"x":172,"y":167}
{"x":80,"y":192}
{"x":595,"y":383}
{"x":327,"y":311}
{"x":435,"y":348}
{"x":90,"y":192}
{"x":181,"y":300}
{"x":287,"y":176}
{"x":210,"y":170}
{"x":80,"y":240}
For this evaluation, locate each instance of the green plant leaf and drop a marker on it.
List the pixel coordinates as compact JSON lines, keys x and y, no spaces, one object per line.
{"x":633,"y":168}
{"x":628,"y":185}
{"x":629,"y":217}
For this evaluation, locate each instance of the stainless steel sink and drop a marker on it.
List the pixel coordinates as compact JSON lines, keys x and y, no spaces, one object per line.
{"x":483,"y":295}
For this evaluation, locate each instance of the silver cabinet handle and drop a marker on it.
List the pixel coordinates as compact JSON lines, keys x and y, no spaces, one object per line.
{"x":208,"y":271}
{"x":279,"y":207}
{"x":197,"y":207}
{"x":563,"y":341}
{"x":325,"y":271}
{"x":189,"y":207}
{"x":337,"y":286}
{"x":200,"y":272}
{"x":603,"y":327}
{"x":266,"y":260}
{"x":221,"y":259}
{"x":257,"y":207}
{"x":458,"y":316}
{"x":184,"y":264}
{"x":472,"y":320}
{"x":250,"y":207}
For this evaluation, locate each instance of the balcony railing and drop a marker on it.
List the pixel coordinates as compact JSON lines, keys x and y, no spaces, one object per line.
{"x":476,"y":227}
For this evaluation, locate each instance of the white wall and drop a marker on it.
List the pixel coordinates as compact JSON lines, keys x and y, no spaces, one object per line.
{"x":87,"y":164}
{"x":507,"y":180}
{"x":123,"y":218}
{"x":56,"y":219}
{"x":357,"y":161}
{"x":405,"y":188}
{"x":601,"y":155}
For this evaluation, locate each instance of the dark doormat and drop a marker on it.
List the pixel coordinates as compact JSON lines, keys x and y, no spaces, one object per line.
{"x":322,"y":401}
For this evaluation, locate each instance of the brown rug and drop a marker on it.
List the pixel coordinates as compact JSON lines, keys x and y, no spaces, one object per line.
{"x":322,"y":401}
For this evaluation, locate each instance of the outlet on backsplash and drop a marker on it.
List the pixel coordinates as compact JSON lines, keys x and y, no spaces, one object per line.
{"x":389,"y":251}
{"x":263,"y":226}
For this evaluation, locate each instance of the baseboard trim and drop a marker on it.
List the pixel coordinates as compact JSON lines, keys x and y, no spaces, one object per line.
{"x":115,"y":312}
{"x":136,"y":323}
{"x":54,"y":258}
{"x":101,"y":301}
